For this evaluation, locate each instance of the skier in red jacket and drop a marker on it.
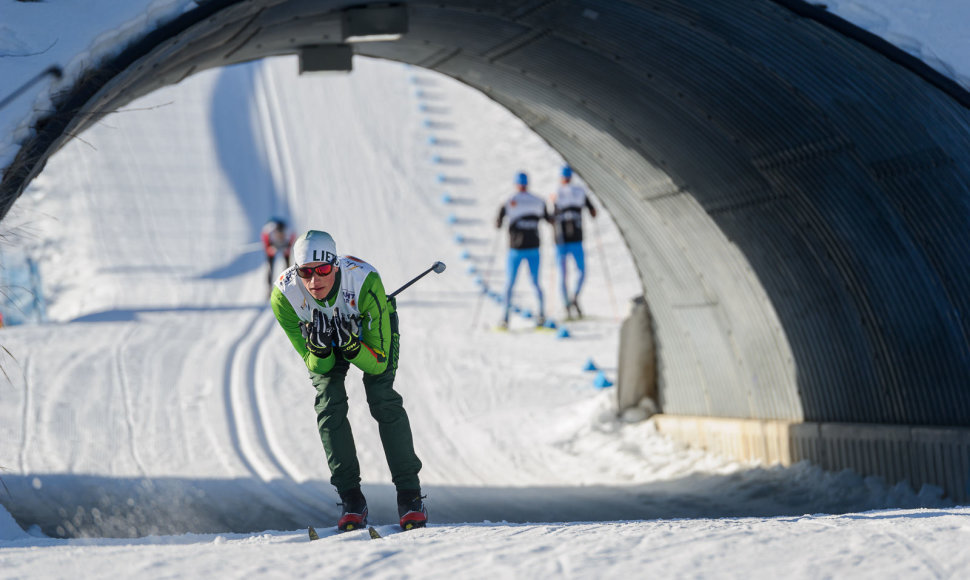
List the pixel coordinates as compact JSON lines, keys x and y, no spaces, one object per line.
{"x":277,"y":239}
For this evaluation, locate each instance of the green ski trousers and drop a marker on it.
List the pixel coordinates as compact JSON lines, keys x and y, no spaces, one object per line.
{"x":387,"y":408}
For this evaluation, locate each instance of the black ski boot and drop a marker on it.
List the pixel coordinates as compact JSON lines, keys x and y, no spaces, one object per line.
{"x":575,"y":305}
{"x":411,"y":509}
{"x":354,"y":514}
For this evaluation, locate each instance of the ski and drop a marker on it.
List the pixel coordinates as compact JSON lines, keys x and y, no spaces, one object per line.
{"x":523,"y":329}
{"x":374,"y":534}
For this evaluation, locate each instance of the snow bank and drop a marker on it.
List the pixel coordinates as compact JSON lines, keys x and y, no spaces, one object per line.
{"x":9,"y":529}
{"x":37,"y":35}
{"x":934,"y":31}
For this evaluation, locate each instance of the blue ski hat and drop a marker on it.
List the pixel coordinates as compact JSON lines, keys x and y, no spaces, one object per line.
{"x":522,"y":179}
{"x":567,"y":172}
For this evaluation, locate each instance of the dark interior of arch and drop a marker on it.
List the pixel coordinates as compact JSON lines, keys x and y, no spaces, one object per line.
{"x":794,"y":192}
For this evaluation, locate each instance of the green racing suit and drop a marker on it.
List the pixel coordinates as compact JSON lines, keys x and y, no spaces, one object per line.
{"x":358,"y":294}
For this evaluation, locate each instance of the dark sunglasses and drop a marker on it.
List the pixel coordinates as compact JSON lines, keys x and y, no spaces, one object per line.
{"x":321,"y":270}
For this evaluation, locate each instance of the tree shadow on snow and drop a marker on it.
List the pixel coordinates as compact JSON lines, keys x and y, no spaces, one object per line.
{"x":68,"y":505}
{"x":132,"y":314}
{"x":243,"y":160}
{"x":241,"y":264}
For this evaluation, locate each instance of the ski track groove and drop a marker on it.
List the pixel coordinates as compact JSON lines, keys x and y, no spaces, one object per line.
{"x":249,"y":433}
{"x":244,"y":384}
{"x":121,"y":373}
{"x":932,"y":564}
{"x":25,"y":428}
{"x":268,"y":106}
{"x":281,"y":166}
{"x":231,"y":412}
{"x":268,"y":101}
{"x":259,"y":394}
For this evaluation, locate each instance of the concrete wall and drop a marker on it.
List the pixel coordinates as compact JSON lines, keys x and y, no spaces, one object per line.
{"x":918,"y":455}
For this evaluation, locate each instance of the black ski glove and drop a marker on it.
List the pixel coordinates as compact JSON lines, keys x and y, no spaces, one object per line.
{"x":345,"y":335}
{"x":318,"y":335}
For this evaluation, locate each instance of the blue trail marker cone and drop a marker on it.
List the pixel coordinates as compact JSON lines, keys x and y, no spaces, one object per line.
{"x":465,"y":255}
{"x":563,"y":332}
{"x":590,"y":365}
{"x":459,"y":239}
{"x":445,"y":198}
{"x":452,"y":218}
{"x":550,"y":324}
{"x":601,"y":382}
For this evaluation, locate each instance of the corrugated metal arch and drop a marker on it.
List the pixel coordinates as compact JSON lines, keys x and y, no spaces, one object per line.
{"x":795,"y":193}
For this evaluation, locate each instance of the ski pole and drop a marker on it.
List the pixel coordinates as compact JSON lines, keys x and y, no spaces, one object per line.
{"x":606,"y":269}
{"x":486,"y":279}
{"x":437,"y":268}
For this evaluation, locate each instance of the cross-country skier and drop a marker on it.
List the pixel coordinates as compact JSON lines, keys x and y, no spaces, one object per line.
{"x":568,"y":203}
{"x":335,"y":312}
{"x":277,"y":239}
{"x":524,"y":212}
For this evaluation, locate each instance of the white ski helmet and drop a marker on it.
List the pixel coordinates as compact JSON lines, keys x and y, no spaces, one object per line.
{"x":314,"y":246}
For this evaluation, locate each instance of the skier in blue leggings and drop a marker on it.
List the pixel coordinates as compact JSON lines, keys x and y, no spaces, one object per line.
{"x":524,"y":212}
{"x":568,"y":203}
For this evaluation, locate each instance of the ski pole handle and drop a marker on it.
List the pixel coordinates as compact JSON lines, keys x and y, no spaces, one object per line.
{"x":437,"y":268}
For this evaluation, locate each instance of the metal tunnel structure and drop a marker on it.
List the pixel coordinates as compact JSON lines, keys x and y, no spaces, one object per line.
{"x":794,"y":191}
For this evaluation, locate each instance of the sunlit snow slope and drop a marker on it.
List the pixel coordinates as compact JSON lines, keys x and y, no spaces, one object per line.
{"x":162,"y":397}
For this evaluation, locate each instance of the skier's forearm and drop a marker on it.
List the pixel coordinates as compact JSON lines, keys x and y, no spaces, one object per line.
{"x":290,"y":323}
{"x":369,"y":360}
{"x":375,"y":330}
{"x":319,"y":365}
{"x":372,"y":358}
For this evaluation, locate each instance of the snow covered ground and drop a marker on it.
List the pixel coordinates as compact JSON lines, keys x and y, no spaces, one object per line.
{"x":162,"y":422}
